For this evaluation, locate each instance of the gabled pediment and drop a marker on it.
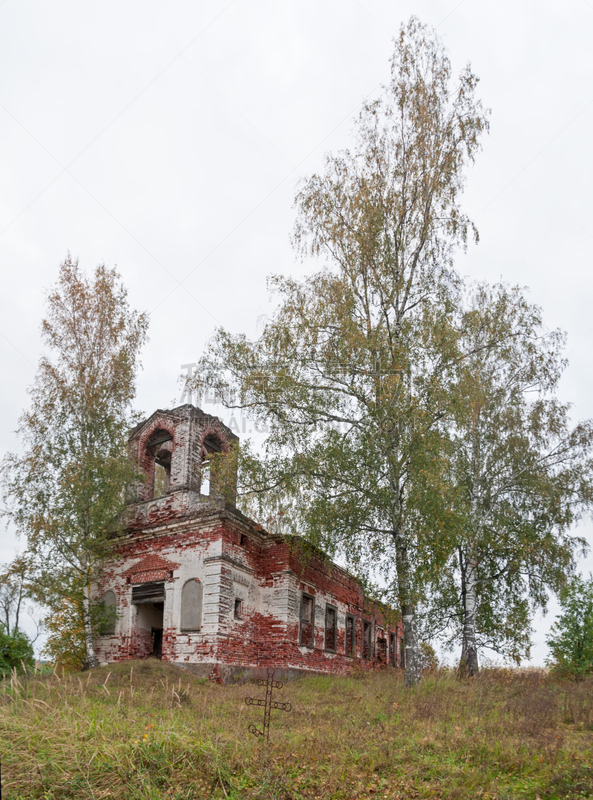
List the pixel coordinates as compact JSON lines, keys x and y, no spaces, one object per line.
{"x":150,"y":568}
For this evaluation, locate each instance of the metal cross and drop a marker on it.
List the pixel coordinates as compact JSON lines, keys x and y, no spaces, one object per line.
{"x":268,"y":705}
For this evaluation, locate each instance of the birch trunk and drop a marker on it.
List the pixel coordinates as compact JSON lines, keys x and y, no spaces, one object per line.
{"x":91,"y":659}
{"x":18,"y":607}
{"x":413,"y":667}
{"x":468,"y":664}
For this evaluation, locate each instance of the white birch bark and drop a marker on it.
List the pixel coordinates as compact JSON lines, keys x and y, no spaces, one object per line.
{"x":91,"y":659}
{"x":469,"y":655}
{"x":468,"y":664}
{"x":413,"y":667}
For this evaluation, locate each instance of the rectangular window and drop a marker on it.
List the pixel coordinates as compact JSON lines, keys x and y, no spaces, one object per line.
{"x":350,"y":642}
{"x":306,"y":621}
{"x":366,"y":640}
{"x":382,"y":648}
{"x":392,"y":659}
{"x":331,"y":617}
{"x":238,"y":608}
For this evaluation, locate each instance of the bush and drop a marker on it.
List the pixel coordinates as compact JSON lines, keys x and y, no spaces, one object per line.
{"x":16,"y":651}
{"x":429,"y":660}
{"x":571,"y":637}
{"x":65,"y":645}
{"x":64,"y":624}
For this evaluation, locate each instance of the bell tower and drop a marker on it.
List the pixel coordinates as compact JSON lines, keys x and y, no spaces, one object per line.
{"x":188,"y":457}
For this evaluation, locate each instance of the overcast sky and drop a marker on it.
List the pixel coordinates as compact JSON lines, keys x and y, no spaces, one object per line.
{"x":168,"y":138}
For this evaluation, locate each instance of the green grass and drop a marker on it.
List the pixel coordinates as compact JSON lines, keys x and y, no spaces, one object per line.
{"x":148,"y":731}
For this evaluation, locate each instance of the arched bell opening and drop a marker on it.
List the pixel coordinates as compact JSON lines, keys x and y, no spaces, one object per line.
{"x":211,"y":466}
{"x":160,"y":449}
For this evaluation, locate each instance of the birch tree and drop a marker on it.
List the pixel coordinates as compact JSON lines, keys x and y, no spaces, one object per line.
{"x":350,"y":373}
{"x":65,"y":492}
{"x":521,"y":474}
{"x":13,"y":592}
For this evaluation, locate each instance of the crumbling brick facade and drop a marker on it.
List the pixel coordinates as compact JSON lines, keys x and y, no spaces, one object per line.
{"x":198,"y":584}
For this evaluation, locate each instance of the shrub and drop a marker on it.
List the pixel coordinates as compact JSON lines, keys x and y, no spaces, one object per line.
{"x":16,"y":651}
{"x":571,"y":637}
{"x":428,"y":657}
{"x":65,"y":645}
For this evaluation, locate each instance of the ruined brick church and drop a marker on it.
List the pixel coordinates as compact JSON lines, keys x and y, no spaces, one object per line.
{"x":196,"y":583}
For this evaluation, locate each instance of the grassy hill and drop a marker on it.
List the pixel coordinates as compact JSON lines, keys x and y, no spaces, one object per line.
{"x":149,"y":731}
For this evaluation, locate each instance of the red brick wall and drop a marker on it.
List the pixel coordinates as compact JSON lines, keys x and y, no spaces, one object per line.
{"x":259,"y":638}
{"x":164,"y":534}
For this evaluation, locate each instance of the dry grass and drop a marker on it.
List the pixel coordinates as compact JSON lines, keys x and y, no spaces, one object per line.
{"x":148,"y":730}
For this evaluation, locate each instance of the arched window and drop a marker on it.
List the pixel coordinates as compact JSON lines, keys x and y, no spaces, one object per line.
{"x":160,"y":447}
{"x":191,"y":605}
{"x":109,"y":608}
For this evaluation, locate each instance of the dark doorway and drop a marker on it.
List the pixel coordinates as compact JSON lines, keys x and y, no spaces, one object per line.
{"x":157,"y":638}
{"x":149,"y":601}
{"x":382,"y":649}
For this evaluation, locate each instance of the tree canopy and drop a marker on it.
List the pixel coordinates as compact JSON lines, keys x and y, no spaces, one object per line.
{"x":520,"y":476}
{"x":413,"y":423}
{"x":350,"y":373}
{"x":66,"y":491}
